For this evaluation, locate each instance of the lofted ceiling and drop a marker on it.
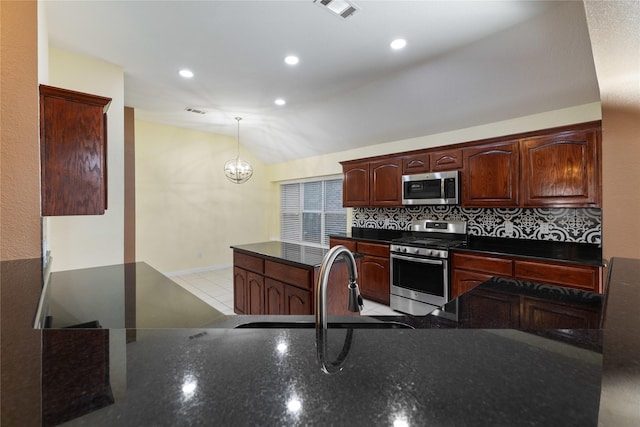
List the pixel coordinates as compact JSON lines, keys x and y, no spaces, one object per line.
{"x":465,"y":64}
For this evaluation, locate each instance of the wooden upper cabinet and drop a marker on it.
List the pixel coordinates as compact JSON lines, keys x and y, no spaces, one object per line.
{"x":73,"y":152}
{"x":355,"y":184}
{"x":561,"y":170}
{"x":446,"y":160}
{"x":415,"y":163}
{"x":490,"y":176}
{"x":386,"y":182}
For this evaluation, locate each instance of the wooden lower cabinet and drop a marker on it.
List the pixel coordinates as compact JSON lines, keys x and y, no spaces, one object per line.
{"x":463,"y":281}
{"x":374,"y":268}
{"x":487,"y":309}
{"x":265,"y":286}
{"x":274,"y":296}
{"x":255,"y":287}
{"x":373,"y":279}
{"x":297,"y":301}
{"x":537,"y":314}
{"x":239,"y":290}
{"x":469,"y":270}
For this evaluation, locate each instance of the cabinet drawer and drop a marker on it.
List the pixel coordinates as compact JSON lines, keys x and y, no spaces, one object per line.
{"x":374,"y":249}
{"x":349,"y":244}
{"x":248,"y":262}
{"x":574,"y":276}
{"x":299,"y":277}
{"x":484,"y":264}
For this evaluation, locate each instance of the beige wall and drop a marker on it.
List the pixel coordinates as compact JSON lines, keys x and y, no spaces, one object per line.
{"x":88,"y":241}
{"x":615,"y":40}
{"x":20,"y":234}
{"x":329,"y":164}
{"x":187,"y":212}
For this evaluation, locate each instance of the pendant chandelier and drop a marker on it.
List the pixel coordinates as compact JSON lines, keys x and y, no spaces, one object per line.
{"x":238,"y":170}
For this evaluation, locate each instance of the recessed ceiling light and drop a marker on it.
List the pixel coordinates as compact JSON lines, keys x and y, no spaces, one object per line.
{"x":187,"y":74}
{"x":398,"y":44}
{"x":292,"y":60}
{"x":280,"y":101}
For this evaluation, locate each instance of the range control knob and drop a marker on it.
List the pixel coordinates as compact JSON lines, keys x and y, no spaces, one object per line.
{"x":416,"y":250}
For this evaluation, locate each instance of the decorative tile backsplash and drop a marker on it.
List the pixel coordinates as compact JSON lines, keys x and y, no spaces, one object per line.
{"x":564,"y":225}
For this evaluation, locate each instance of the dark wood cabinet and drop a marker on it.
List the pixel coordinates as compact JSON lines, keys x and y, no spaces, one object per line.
{"x":490,"y":177}
{"x":416,"y":163}
{"x":386,"y":182}
{"x":73,"y":152}
{"x":468,"y":270}
{"x":374,"y":268}
{"x":297,"y":301}
{"x":487,"y":309}
{"x":538,"y":314}
{"x":255,"y":292}
{"x":561,"y":169}
{"x":355,"y":185}
{"x":239,"y":290}
{"x":372,"y":183}
{"x":274,"y":296}
{"x":446,"y":160}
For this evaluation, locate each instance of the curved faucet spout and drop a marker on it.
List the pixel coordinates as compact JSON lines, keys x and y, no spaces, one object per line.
{"x":355,"y":300}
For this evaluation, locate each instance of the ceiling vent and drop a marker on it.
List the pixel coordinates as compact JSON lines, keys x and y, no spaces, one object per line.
{"x":341,"y":8}
{"x":194,"y":110}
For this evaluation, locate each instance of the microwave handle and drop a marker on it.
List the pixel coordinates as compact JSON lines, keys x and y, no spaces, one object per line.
{"x":421,"y":260}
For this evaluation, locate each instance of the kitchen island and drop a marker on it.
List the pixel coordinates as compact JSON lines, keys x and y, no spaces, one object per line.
{"x":279,"y":278}
{"x":433,"y":376}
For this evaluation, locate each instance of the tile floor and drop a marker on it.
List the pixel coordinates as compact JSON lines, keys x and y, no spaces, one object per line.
{"x":215,"y":287}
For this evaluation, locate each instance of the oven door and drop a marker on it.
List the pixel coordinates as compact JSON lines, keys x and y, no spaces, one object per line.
{"x":420,"y":279}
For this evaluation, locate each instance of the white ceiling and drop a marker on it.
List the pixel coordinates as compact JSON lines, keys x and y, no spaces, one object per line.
{"x":466,"y":63}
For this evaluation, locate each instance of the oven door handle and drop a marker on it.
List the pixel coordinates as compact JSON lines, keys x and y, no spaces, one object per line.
{"x":416,"y":259}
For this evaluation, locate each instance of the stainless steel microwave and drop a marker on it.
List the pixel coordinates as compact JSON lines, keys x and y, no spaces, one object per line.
{"x":438,"y":188}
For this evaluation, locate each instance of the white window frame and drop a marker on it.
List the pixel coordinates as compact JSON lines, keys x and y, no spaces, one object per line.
{"x":302,"y":211}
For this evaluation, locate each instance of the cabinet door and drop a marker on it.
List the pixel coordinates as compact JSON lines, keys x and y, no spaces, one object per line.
{"x":415,"y":163}
{"x":463,"y":281}
{"x":255,"y":291}
{"x":297,"y":301}
{"x":561,"y":170}
{"x":537,"y":314}
{"x":490,"y":176}
{"x":374,"y":280}
{"x":446,"y":160}
{"x":73,"y":152}
{"x":386,"y":182}
{"x":274,"y":297}
{"x":490,"y":310}
{"x":355,"y":184}
{"x":239,"y":290}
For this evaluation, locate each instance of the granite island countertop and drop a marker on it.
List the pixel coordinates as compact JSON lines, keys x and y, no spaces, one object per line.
{"x":204,"y":376}
{"x":290,"y":253}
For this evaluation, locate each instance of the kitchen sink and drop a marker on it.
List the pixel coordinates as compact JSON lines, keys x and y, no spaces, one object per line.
{"x":331,"y":325}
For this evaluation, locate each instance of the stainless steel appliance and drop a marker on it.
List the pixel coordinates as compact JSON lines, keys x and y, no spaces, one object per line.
{"x":439,"y":188}
{"x":420,"y":265}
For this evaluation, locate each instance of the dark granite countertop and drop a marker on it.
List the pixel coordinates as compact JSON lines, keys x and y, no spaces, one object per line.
{"x":577,"y":253}
{"x":291,"y":253}
{"x":132,"y":295}
{"x":431,"y":376}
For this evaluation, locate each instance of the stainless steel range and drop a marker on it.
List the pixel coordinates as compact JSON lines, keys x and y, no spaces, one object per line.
{"x":420,"y":265}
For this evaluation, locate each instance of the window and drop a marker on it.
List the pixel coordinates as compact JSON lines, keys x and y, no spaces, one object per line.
{"x":312,"y":210}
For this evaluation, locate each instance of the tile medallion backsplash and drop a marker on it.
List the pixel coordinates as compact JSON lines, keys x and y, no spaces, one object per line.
{"x":564,"y":225}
